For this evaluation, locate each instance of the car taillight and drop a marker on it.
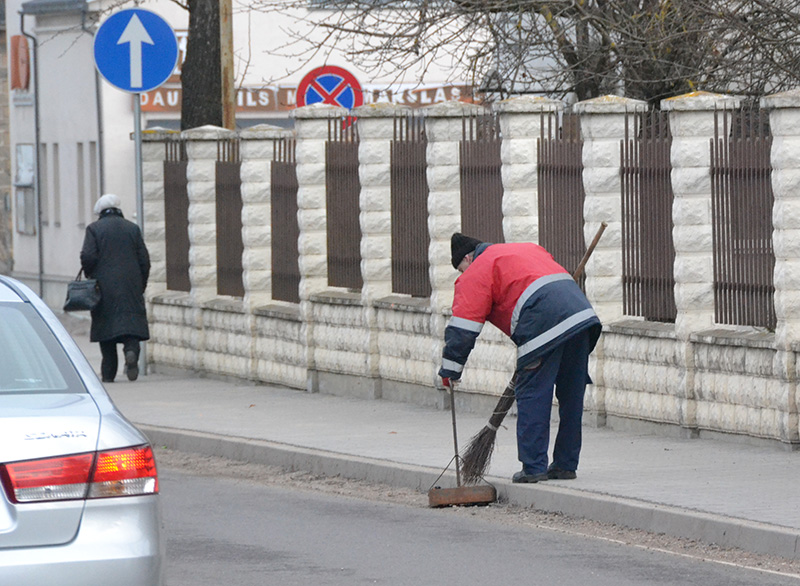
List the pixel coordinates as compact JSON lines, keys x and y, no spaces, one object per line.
{"x":53,"y":479}
{"x":125,"y":472}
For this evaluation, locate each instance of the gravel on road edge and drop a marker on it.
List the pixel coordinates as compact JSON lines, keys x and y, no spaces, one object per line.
{"x":497,"y":512}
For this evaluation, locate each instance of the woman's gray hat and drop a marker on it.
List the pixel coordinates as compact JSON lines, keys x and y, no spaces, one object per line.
{"x":461,"y":246}
{"x":109,"y":200}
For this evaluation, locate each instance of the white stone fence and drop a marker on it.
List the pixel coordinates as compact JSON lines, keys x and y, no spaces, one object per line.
{"x":691,"y":377}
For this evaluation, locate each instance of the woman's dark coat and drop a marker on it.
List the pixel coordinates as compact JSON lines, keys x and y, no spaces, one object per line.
{"x":114,"y":253}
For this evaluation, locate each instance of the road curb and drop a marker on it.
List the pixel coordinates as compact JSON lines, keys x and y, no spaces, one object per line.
{"x":549,"y":497}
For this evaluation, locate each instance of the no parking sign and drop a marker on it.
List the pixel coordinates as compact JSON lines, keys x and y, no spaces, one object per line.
{"x":330,"y":85}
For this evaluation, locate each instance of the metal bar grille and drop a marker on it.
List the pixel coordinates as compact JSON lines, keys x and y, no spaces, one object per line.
{"x":742,"y":203}
{"x":285,"y":227}
{"x":409,"y":185}
{"x":176,"y":216}
{"x":561,"y":193}
{"x":342,"y":192}
{"x":230,"y":246}
{"x":481,"y":178}
{"x":648,"y":253}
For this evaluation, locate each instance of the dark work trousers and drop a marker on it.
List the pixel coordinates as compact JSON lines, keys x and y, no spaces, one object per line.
{"x":566,"y":368}
{"x":110,"y":363}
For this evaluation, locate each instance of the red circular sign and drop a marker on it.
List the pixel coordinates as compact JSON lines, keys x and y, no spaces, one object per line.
{"x":330,"y":85}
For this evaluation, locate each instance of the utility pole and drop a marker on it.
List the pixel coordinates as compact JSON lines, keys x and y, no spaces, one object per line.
{"x":226,"y":61}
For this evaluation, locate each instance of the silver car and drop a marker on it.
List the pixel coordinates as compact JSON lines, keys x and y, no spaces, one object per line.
{"x":79,"y":498}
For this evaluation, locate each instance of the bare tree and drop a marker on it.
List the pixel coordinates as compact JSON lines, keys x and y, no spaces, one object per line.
{"x":201,"y":77}
{"x":645,"y":49}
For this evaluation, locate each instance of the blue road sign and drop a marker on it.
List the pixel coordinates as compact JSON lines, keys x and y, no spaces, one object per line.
{"x":135,"y":50}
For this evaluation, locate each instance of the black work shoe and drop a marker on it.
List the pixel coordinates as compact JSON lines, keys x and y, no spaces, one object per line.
{"x":131,"y":366}
{"x":108,"y":380}
{"x":523,"y":477}
{"x":554,"y":473}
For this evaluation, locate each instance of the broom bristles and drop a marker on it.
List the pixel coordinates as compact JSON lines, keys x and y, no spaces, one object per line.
{"x":475,"y":461}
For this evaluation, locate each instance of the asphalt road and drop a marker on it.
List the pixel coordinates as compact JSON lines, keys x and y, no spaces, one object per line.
{"x":223,"y":530}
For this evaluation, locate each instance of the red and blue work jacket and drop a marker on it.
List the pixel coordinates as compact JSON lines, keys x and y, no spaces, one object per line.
{"x":523,"y":291}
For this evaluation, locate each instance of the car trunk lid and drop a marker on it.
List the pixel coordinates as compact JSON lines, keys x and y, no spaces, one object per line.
{"x":36,"y":426}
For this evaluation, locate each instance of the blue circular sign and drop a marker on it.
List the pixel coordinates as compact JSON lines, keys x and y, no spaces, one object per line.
{"x":135,"y":50}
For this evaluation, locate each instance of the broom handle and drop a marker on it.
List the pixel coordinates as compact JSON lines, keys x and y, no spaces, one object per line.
{"x":582,"y":265}
{"x":507,"y":398}
{"x":452,"y":389}
{"x":503,"y":405}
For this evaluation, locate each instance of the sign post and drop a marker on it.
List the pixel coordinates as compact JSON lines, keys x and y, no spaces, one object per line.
{"x":228,"y":96}
{"x":135,"y":50}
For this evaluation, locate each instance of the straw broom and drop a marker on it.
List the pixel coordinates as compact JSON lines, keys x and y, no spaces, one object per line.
{"x":478,"y":453}
{"x":475,"y":461}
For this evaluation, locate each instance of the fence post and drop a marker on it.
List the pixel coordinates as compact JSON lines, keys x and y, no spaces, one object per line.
{"x":444,"y":128}
{"x":257,"y":151}
{"x":201,"y":146}
{"x":375,"y":129}
{"x":520,"y":126}
{"x":602,"y":128}
{"x":375,"y":124}
{"x":153,"y":156}
{"x":692,"y":125}
{"x":785,"y":158}
{"x":311,"y":130}
{"x":443,"y":124}
{"x":691,"y":121}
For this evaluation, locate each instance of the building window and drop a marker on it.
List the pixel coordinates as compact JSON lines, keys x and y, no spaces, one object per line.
{"x":44,"y":184}
{"x":94,"y":175}
{"x":24,"y":182}
{"x":56,"y":185}
{"x":26,"y":211}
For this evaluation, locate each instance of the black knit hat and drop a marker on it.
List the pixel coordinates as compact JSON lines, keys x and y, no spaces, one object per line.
{"x":461,"y":246}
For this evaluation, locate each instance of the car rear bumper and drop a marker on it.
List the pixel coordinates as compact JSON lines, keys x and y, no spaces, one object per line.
{"x":119,"y":542}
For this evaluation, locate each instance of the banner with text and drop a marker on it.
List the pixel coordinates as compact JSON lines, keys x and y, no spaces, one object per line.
{"x":283,"y":98}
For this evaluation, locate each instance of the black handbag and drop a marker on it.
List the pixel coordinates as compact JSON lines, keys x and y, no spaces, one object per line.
{"x":82,"y":294}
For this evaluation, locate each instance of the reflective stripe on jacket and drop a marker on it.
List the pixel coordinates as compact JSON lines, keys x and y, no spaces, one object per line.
{"x":523,"y":291}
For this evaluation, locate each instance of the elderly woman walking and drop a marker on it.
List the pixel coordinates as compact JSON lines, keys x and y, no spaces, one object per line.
{"x":114,"y":253}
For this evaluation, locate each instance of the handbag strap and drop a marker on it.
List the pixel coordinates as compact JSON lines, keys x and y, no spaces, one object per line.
{"x":78,"y":276}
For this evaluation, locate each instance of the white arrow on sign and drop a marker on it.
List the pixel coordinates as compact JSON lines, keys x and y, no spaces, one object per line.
{"x":135,"y":34}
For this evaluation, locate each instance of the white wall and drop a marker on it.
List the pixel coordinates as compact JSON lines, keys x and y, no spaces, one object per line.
{"x":68,"y":139}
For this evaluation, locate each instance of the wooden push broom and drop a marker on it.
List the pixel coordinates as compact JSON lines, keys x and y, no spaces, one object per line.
{"x":478,"y":453}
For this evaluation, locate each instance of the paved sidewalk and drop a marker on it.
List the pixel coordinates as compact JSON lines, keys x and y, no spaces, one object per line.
{"x":717,"y":491}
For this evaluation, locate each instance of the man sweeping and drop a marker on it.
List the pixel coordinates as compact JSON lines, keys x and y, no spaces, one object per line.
{"x":523,"y":291}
